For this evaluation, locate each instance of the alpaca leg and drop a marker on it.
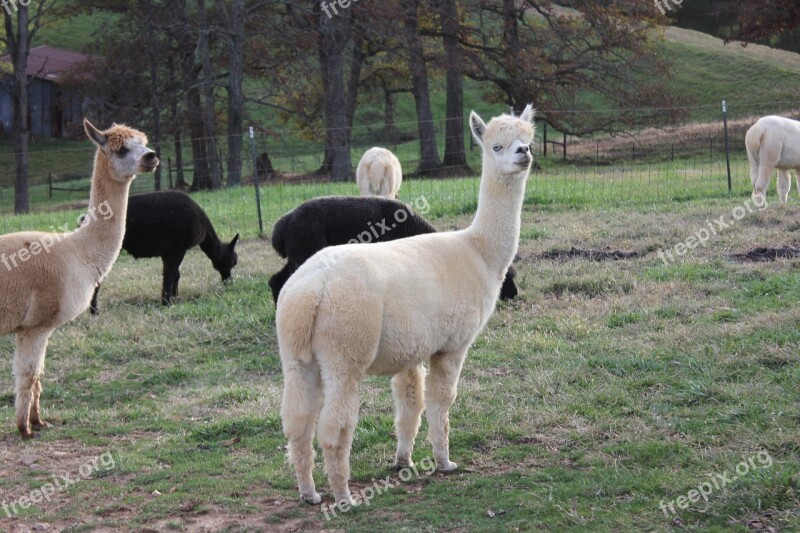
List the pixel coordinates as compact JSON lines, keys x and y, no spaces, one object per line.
{"x":302,"y":400}
{"x":440,"y":393}
{"x":767,"y":159}
{"x":172,"y":264}
{"x":409,"y":394}
{"x":797,"y":178}
{"x":784,"y":184}
{"x":764,"y":174}
{"x":36,"y":418}
{"x":280,"y":278}
{"x":335,"y":432}
{"x":28,"y":367}
{"x":93,"y":306}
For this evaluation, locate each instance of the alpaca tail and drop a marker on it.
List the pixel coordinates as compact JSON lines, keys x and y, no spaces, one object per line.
{"x":279,"y":233}
{"x":753,"y":141}
{"x":378,"y":185}
{"x":294,"y":321}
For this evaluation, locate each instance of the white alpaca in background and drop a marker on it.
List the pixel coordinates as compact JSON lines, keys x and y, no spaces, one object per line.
{"x":379,"y":173}
{"x":48,"y":279}
{"x":387,"y":307}
{"x":773,"y":142}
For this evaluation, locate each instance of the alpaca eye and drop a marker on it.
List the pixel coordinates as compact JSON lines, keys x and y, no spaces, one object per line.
{"x":122,"y":152}
{"x":498,"y":148}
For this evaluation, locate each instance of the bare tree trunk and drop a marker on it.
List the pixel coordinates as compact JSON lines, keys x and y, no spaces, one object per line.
{"x":429,"y":154}
{"x":156,"y":110}
{"x":389,"y":130}
{"x":18,"y":46}
{"x":333,"y":44}
{"x":455,"y":157}
{"x":180,"y":182}
{"x":235,"y":94}
{"x":356,"y":62}
{"x":209,"y":115}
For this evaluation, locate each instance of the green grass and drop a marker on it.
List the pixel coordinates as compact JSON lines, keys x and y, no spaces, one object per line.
{"x":603,"y":390}
{"x":706,"y":71}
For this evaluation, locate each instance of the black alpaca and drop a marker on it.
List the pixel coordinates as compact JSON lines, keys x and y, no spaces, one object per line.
{"x":333,"y":220}
{"x":166,"y":225}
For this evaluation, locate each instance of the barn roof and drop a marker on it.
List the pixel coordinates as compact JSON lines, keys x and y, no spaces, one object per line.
{"x":50,"y":63}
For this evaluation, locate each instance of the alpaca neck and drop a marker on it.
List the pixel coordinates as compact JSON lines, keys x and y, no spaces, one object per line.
{"x":495,"y":229}
{"x":211,"y":245}
{"x":99,"y":239}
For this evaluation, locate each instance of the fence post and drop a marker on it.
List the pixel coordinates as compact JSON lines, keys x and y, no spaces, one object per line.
{"x":544,"y":139}
{"x":727,"y":148}
{"x":565,"y":147}
{"x":50,"y":185}
{"x":255,"y":181}
{"x":169,"y":171}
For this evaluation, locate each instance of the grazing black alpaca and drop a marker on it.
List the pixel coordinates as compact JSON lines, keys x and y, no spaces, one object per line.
{"x":333,"y":220}
{"x":166,"y":225}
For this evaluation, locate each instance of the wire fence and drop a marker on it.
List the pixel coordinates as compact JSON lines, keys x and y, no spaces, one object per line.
{"x":648,"y":165}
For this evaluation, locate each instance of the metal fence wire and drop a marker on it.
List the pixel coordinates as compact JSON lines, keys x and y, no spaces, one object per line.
{"x":654,"y":164}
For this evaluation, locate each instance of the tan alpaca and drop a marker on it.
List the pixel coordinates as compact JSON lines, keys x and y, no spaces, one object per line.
{"x":385,"y":308}
{"x":47,"y":279}
{"x":773,"y":142}
{"x":379,"y":173}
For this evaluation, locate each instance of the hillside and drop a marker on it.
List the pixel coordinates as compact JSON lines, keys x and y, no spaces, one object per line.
{"x":754,"y":79}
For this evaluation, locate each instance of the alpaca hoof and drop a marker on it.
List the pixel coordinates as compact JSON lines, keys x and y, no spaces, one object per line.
{"x":397,"y":467}
{"x":41,"y":424}
{"x":348,"y":500}
{"x":28,"y":435}
{"x":312,"y":499}
{"x":447,"y":468}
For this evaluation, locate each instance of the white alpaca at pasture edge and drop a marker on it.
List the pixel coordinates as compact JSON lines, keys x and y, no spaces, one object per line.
{"x":379,"y":173}
{"x":773,"y":142}
{"x":47,"y":279}
{"x":385,"y":308}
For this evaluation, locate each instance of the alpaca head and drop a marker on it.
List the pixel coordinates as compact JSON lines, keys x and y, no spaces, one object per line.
{"x":123,"y":149}
{"x":226,"y":258}
{"x":506,"y":143}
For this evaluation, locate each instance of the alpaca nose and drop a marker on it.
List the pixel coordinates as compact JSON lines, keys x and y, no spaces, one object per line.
{"x":524,"y":149}
{"x":150,"y":157}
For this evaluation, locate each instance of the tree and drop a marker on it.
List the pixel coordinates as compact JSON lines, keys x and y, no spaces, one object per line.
{"x":763,"y":20}
{"x":209,"y":117}
{"x":234,"y":35}
{"x":17,"y":42}
{"x":597,"y":55}
{"x":429,"y":153}
{"x":455,"y":157}
{"x":335,"y":36}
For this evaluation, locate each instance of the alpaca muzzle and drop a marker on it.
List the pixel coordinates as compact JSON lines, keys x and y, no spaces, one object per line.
{"x":149,"y":162}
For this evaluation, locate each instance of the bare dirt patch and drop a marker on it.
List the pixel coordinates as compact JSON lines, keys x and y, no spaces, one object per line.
{"x":592,"y":255}
{"x":765,"y":254}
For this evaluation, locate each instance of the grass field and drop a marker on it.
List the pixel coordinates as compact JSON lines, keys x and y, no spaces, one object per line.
{"x":605,"y":393}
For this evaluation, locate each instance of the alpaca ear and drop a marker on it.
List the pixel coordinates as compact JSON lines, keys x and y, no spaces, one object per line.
{"x":232,"y":245}
{"x":95,"y":135}
{"x":477,"y":126}
{"x":529,"y":115}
